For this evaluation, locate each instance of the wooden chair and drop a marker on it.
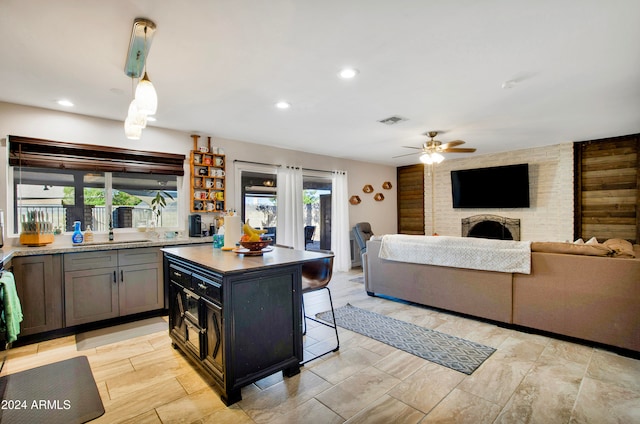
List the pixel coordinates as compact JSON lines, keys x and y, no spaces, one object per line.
{"x":316,"y":276}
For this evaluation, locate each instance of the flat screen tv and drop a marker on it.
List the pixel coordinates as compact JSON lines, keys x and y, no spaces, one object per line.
{"x":495,"y":187}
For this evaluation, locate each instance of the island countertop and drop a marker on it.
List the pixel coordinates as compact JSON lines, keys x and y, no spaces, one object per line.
{"x":227,"y":262}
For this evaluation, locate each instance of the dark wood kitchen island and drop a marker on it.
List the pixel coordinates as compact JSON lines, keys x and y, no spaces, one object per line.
{"x":238,"y":317}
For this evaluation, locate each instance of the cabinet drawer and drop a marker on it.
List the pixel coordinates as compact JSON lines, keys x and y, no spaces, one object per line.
{"x":90,"y":260}
{"x":208,"y":288}
{"x":143,"y":255}
{"x":180,"y":276}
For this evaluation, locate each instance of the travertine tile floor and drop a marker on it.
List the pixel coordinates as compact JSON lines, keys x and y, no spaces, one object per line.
{"x":529,"y":379}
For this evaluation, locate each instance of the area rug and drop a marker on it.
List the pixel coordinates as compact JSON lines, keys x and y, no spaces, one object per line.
{"x":119,"y":333}
{"x":63,"y":392}
{"x":449,"y":351}
{"x":359,"y":279}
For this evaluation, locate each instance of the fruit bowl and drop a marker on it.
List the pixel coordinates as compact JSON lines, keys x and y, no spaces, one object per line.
{"x":254,"y":246}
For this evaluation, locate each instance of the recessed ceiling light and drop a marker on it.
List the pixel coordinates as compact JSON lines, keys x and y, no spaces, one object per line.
{"x":348,"y":73}
{"x":283,"y":105}
{"x":65,"y":102}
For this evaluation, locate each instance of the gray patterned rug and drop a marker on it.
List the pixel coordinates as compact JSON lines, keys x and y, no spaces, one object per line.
{"x":452,"y":352}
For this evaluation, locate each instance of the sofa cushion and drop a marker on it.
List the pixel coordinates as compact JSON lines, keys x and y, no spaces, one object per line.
{"x":620,"y":247}
{"x":571,"y":248}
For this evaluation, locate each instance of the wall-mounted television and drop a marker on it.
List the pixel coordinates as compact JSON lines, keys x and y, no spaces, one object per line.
{"x":494,"y":187}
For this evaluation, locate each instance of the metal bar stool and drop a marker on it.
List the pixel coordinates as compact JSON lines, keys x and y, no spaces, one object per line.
{"x":316,"y":276}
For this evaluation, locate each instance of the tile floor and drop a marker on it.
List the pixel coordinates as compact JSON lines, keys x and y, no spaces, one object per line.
{"x":529,"y":379}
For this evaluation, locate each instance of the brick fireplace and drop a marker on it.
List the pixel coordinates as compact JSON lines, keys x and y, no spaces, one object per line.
{"x":491,"y":226}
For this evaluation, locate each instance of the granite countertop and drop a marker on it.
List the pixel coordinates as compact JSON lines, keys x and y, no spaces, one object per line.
{"x":65,"y":246}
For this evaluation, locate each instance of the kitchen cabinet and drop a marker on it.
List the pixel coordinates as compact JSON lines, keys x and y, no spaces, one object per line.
{"x":107,"y":284}
{"x":39,"y":286}
{"x":208,"y":182}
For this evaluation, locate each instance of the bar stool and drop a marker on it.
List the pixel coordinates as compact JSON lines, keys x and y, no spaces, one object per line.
{"x":316,"y":276}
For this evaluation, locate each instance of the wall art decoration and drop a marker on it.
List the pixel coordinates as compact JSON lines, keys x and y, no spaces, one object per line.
{"x":355,"y":200}
{"x":368,"y":188}
{"x":387,"y":185}
{"x":378,"y":197}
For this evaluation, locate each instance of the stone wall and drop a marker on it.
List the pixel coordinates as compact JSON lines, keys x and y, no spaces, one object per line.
{"x":550,"y":217}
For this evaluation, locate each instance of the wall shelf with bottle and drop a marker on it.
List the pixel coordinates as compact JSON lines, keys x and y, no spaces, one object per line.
{"x":208,"y":181}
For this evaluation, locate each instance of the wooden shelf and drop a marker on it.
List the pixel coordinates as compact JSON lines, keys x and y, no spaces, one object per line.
{"x":208,"y":182}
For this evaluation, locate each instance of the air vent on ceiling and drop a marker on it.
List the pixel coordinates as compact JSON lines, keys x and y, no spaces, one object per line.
{"x":392,"y":120}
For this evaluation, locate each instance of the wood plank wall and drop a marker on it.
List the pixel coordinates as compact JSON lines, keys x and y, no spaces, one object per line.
{"x":411,"y":199}
{"x":607,"y":188}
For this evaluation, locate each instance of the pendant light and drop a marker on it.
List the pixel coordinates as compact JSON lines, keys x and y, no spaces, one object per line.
{"x":146,"y":97}
{"x":133,"y":132}
{"x":137,"y":117}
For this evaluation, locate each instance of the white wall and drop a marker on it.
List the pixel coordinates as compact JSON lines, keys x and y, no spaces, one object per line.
{"x":67,"y":127}
{"x":550,"y":217}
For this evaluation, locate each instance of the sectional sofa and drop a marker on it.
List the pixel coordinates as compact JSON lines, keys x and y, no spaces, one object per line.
{"x":581,"y":291}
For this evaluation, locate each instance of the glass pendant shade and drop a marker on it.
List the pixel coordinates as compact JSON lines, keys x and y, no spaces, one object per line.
{"x":431,"y":158}
{"x":426,"y":159}
{"x":136,"y":117}
{"x":437,"y":157}
{"x":146,"y":97}
{"x":133,"y":132}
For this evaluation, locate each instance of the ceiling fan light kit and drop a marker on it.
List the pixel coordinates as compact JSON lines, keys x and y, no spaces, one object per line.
{"x":431,"y":150}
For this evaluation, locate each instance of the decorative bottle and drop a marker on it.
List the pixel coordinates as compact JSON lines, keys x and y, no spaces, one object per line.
{"x":77,"y":237}
{"x":88,"y":234}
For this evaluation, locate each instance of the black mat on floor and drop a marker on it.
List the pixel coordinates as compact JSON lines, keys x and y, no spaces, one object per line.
{"x":63,"y":392}
{"x":450,"y":351}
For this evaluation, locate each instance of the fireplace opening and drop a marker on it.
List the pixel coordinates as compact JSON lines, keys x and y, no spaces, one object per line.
{"x":490,"y":230}
{"x":491,"y":227}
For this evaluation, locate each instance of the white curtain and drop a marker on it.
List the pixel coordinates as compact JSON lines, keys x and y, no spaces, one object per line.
{"x":290,"y":224}
{"x":340,"y":243}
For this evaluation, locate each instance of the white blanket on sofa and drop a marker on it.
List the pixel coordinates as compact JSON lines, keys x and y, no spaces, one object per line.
{"x":459,"y":252}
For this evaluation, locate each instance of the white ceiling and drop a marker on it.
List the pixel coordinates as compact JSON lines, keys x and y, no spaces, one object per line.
{"x":220,"y":65}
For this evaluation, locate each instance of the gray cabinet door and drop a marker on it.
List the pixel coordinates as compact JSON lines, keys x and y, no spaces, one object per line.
{"x":39,"y":286}
{"x":140,"y":288}
{"x":90,"y":295}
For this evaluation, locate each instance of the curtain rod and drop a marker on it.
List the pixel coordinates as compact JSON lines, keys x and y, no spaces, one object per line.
{"x":256,"y":163}
{"x":279,"y":166}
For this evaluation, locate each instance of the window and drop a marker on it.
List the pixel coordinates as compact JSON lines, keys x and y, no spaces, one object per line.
{"x":63,"y":183}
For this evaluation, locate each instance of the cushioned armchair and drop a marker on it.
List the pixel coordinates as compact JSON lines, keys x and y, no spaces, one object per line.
{"x":362,"y":232}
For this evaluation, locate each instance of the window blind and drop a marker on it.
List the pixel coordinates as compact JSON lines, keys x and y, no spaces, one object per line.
{"x":40,"y":153}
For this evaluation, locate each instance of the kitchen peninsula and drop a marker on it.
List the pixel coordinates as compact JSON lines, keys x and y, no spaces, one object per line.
{"x":238,"y":317}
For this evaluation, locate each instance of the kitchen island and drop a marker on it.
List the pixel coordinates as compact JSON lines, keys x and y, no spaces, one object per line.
{"x":237,"y":317}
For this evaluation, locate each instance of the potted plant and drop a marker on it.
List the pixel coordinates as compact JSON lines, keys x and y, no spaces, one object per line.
{"x":158,"y":203}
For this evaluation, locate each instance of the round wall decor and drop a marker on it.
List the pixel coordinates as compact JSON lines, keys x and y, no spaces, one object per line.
{"x":378,"y":197}
{"x":368,"y":188}
{"x":354,"y":200}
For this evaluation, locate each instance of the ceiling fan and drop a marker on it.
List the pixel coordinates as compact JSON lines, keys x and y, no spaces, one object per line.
{"x":431,"y":150}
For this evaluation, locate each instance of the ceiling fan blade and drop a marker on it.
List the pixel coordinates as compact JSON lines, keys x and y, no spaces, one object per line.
{"x":453,"y":143}
{"x":411,"y":147}
{"x":460,"y":150}
{"x":408,"y":154}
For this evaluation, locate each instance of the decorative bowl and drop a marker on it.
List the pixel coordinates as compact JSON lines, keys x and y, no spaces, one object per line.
{"x":255,"y":245}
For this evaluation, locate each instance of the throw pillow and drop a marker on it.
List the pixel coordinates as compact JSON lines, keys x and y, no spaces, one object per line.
{"x":571,"y":248}
{"x":621,"y":248}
